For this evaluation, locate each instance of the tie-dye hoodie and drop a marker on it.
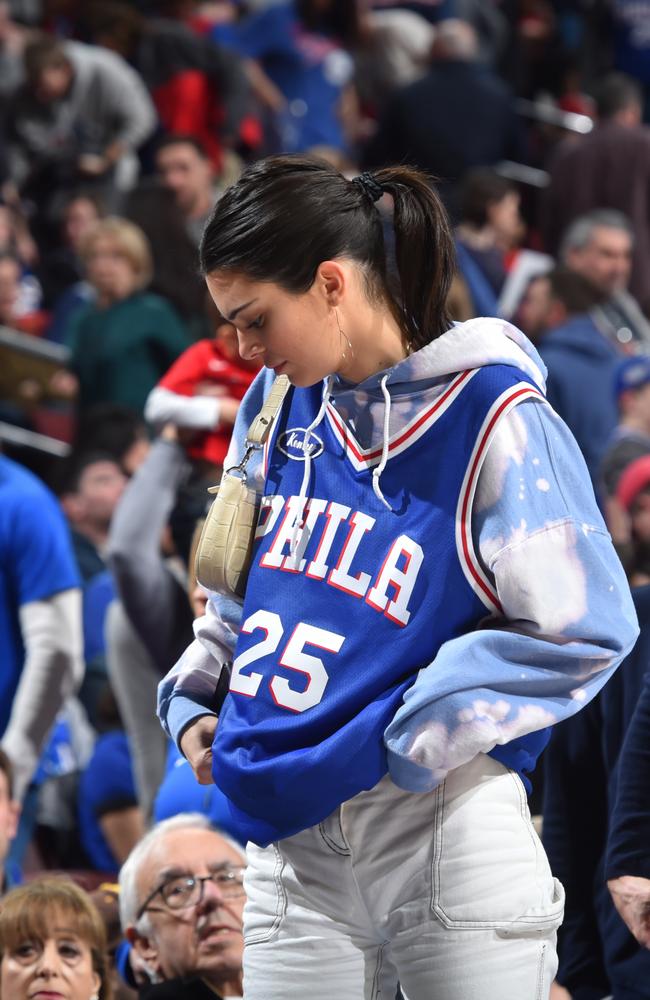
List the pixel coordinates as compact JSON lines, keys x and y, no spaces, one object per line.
{"x":568,"y":616}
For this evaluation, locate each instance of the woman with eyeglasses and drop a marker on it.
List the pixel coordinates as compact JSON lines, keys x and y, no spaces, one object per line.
{"x":431,"y":588}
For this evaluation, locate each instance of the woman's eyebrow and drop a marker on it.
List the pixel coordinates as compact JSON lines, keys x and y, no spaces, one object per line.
{"x":231,"y":315}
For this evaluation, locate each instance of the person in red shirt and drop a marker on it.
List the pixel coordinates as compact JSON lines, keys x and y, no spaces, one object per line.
{"x":201,"y":393}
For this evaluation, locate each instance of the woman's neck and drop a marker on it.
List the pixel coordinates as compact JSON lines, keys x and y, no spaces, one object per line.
{"x":374,"y":343}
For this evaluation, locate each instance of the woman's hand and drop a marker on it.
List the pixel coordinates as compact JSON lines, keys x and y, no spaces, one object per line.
{"x":196,"y":746}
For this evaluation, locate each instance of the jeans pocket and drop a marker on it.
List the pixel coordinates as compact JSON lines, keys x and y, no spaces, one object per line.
{"x":266,"y":899}
{"x":489,"y":868}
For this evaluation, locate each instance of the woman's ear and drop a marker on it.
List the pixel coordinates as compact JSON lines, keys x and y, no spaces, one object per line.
{"x":332,"y":280}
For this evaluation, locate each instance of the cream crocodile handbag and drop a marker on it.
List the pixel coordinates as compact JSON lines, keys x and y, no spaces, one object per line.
{"x":224,"y":551}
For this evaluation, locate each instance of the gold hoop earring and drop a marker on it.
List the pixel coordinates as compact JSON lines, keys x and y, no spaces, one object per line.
{"x":345,"y":337}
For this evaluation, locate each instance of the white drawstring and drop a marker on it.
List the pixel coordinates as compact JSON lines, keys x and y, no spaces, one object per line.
{"x":376,"y":473}
{"x":293,"y":545}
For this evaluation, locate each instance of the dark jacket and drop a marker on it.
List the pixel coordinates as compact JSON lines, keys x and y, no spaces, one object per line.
{"x":178,"y":989}
{"x":628,"y":850}
{"x":598,"y":955}
{"x":581,"y":363}
{"x":460,"y":115}
{"x":609,"y":168}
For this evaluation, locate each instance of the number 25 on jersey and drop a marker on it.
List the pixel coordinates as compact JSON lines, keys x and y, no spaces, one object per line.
{"x":293,"y":658}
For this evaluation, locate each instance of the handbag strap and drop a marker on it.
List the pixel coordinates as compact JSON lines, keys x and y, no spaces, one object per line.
{"x":260,"y":429}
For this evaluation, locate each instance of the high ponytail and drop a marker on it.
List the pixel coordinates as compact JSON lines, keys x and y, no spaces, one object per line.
{"x":287,"y":214}
{"x":424,"y":253}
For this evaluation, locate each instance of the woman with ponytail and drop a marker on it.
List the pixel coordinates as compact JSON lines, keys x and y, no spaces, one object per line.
{"x":431,"y":589}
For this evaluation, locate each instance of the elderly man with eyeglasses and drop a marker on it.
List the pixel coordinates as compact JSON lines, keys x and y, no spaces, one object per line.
{"x":181,"y":903}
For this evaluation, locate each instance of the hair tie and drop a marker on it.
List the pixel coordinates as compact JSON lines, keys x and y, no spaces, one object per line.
{"x":369,"y":186}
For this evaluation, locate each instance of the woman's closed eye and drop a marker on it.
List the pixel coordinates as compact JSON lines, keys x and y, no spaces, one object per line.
{"x":256,"y":324}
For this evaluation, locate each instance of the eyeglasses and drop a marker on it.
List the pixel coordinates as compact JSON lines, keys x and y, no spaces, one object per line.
{"x":182,"y":891}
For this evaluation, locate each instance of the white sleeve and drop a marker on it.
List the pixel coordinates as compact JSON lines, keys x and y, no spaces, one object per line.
{"x":53,"y":639}
{"x":197,"y":412}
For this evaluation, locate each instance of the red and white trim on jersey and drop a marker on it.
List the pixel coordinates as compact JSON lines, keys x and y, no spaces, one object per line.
{"x":366,"y":458}
{"x":474,"y":573}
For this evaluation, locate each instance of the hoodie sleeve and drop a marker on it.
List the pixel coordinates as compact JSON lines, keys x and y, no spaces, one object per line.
{"x":568,"y":618}
{"x":188,"y":689}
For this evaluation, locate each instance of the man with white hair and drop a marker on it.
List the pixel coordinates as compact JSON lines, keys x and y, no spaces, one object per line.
{"x":181,"y":903}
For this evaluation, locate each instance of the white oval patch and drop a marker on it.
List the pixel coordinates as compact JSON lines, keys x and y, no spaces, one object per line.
{"x":295,"y":444}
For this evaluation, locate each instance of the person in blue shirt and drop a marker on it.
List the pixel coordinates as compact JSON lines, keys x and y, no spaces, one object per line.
{"x":302,"y":69}
{"x":431,"y":588}
{"x":180,"y":792}
{"x":41,"y":649}
{"x":110,"y":819}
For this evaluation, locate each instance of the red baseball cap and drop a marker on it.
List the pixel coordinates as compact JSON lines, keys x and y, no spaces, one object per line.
{"x":635,"y":478}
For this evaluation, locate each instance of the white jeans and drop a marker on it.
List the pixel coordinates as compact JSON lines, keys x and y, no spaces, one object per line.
{"x":448,"y":893}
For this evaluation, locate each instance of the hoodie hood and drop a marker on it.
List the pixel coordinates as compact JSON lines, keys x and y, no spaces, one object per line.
{"x":417,"y":380}
{"x":377,"y":409}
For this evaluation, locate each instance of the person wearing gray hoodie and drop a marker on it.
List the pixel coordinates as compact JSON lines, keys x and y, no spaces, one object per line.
{"x":432,"y":587}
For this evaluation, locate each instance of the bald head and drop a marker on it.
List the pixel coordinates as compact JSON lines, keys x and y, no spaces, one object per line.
{"x":455,"y":39}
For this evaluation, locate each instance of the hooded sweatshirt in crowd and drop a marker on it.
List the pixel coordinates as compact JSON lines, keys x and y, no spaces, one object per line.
{"x":521,"y":535}
{"x":582,"y":364}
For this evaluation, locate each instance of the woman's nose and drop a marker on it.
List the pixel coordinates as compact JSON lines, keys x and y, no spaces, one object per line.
{"x":49,"y":960}
{"x":249,"y":348}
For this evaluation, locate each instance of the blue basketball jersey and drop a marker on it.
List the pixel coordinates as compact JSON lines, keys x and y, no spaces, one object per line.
{"x":347,"y":599}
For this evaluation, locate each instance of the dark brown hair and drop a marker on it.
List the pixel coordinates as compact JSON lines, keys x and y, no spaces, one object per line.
{"x":576,"y":293}
{"x":42,"y":53}
{"x":287,"y":214}
{"x":481,"y":188}
{"x":616,"y":92}
{"x":340,"y":18}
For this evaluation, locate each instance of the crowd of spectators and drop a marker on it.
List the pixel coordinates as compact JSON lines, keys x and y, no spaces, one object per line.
{"x":120,"y":125}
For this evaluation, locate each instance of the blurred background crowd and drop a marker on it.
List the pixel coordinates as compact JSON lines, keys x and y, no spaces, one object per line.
{"x":120,"y":124}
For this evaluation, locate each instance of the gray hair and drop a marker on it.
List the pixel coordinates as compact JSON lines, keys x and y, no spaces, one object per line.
{"x":128,"y":877}
{"x":579,"y":233}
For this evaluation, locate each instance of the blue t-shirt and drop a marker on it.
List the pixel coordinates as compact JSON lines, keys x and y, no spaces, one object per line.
{"x":311,"y":70}
{"x":106,"y":785}
{"x":180,"y":792}
{"x":36,"y":561}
